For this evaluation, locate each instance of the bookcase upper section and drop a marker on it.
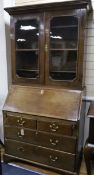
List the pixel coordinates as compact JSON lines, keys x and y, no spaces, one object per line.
{"x":47,"y":43}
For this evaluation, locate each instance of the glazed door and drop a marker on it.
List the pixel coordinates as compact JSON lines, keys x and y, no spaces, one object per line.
{"x":62,"y":49}
{"x":27,"y":48}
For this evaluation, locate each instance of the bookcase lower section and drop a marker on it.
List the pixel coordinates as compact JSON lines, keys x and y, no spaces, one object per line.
{"x":56,"y":161}
{"x":52,"y":141}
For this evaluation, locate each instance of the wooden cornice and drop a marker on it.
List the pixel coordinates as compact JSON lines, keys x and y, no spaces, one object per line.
{"x":76,"y":4}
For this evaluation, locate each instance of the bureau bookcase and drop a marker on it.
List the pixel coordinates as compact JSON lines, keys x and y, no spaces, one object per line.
{"x":44,"y":111}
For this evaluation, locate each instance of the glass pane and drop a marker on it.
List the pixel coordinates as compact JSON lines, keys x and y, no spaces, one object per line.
{"x":63,"y":65}
{"x":27,"y":64}
{"x":63,"y":34}
{"x":63,"y":44}
{"x":27,"y":33}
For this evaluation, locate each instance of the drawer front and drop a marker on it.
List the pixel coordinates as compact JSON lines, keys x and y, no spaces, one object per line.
{"x":19,"y":121}
{"x":41,"y":155}
{"x":20,"y":134}
{"x":62,"y":143}
{"x":56,"y":142}
{"x":57,"y":127}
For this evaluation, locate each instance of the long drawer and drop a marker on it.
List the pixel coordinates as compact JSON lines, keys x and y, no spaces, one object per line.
{"x":63,"y":143}
{"x":41,"y":155}
{"x":19,"y":120}
{"x":58,"y":127}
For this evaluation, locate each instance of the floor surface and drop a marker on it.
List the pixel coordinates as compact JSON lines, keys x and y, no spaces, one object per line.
{"x":28,"y":166}
{"x":8,"y":169}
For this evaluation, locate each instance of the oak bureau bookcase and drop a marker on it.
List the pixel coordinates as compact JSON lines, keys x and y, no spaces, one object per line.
{"x":44,"y":111}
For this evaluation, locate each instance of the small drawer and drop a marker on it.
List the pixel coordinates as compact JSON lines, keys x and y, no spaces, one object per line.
{"x":64,"y":128}
{"x":19,"y":120}
{"x":20,"y":134}
{"x":54,"y":159}
{"x":56,"y":142}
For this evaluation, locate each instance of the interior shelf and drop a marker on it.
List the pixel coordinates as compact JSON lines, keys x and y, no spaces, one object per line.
{"x":66,"y":26}
{"x":67,"y":71}
{"x":27,"y":49}
{"x":28,"y":73}
{"x":29,"y":70}
{"x":65,"y":49}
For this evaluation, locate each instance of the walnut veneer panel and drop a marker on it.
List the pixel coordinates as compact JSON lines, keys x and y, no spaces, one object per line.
{"x":67,"y":144}
{"x":18,"y":120}
{"x":49,"y":102}
{"x":58,"y":127}
{"x":41,"y":155}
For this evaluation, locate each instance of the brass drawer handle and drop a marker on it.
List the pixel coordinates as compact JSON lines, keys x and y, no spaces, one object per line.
{"x":53,"y":159}
{"x":20,"y":122}
{"x":20,"y":149}
{"x":54,"y":127}
{"x":54,"y":143}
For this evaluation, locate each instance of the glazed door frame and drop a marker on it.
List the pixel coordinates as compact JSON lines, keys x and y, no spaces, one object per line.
{"x":22,"y":80}
{"x":77,"y":82}
{"x":44,"y":48}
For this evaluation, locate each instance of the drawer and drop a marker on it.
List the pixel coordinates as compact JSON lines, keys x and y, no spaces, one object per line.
{"x":65,"y":128}
{"x":20,"y":120}
{"x":56,"y":142}
{"x":41,"y":155}
{"x":20,"y":134}
{"x":63,"y":143}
